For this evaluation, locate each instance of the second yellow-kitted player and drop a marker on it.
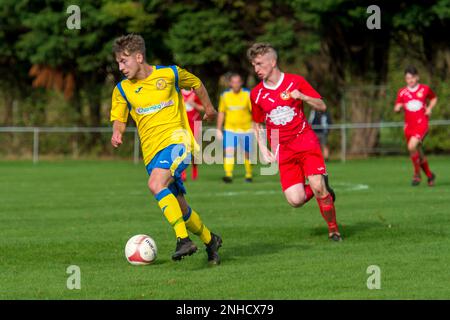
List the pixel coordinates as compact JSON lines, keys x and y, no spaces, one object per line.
{"x":235,"y":118}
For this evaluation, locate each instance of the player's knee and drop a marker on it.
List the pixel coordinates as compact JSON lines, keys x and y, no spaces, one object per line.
{"x":296,"y":201}
{"x":412,"y":148}
{"x":155,"y":186}
{"x":318,"y":188}
{"x":229,"y":152}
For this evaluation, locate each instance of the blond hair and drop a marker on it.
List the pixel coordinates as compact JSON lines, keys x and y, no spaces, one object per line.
{"x":261,"y":48}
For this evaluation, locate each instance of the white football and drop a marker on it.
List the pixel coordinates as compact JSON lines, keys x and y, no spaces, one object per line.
{"x":141,"y":250}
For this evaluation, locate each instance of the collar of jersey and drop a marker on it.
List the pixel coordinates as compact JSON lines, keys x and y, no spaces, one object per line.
{"x":275,"y":87}
{"x":418,"y":86}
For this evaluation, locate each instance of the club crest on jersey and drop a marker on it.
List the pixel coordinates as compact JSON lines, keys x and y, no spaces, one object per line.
{"x":189,"y":107}
{"x":282,"y":115}
{"x":285,"y":95}
{"x":161,"y":84}
{"x":420,"y":93}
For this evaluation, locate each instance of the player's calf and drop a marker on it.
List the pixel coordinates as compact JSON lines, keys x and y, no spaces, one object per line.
{"x":431,"y":180}
{"x":326,"y":205}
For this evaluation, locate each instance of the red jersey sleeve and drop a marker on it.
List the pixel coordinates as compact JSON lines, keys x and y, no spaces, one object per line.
{"x":431,"y":94}
{"x":305,"y":88}
{"x":257,"y":111}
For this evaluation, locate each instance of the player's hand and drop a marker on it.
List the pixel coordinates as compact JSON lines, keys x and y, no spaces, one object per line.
{"x":428,"y":112}
{"x":219,"y":134}
{"x":116,"y":139}
{"x":267,"y":154}
{"x":295,"y":94}
{"x":210,"y":115}
{"x":398,"y":108}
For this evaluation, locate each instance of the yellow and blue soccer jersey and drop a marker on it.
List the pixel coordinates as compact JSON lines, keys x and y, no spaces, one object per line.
{"x":156,"y":105}
{"x":238,"y":110}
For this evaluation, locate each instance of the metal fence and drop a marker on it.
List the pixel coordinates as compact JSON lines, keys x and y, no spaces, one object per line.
{"x":342,"y":129}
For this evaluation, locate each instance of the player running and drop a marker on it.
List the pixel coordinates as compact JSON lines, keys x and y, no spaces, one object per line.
{"x":151,"y":95}
{"x":193,"y":109}
{"x":235,"y":110}
{"x":277,"y":101}
{"x":413,"y":100}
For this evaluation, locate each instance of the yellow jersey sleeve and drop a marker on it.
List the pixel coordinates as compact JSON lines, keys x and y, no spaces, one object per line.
{"x":119,"y":108}
{"x":187,"y":80}
{"x":222,"y":104}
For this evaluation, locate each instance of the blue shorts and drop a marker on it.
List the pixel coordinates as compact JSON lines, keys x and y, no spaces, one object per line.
{"x":232,"y":139}
{"x":173,"y":158}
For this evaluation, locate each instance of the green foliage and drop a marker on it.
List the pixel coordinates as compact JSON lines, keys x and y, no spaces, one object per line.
{"x":326,"y":40}
{"x":281,"y":34}
{"x":203,"y":37}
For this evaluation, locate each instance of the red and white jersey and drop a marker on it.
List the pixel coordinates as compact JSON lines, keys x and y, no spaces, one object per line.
{"x":414,"y":103}
{"x":192,"y":113}
{"x":274,"y":106}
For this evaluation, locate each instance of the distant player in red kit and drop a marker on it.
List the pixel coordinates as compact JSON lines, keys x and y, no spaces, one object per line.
{"x":193,"y":109}
{"x":277,"y":101}
{"x":413,"y":100}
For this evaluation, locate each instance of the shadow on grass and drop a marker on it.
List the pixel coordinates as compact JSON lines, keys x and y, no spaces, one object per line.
{"x":440,"y":183}
{"x":348,"y":230}
{"x":259,"y":249}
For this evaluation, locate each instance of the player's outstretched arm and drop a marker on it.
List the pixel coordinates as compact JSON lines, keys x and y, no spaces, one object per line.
{"x":118,"y":130}
{"x":431,"y":106}
{"x":210,"y":112}
{"x":262,"y":143}
{"x":398,"y":107}
{"x":220,"y":120}
{"x":316,"y":103}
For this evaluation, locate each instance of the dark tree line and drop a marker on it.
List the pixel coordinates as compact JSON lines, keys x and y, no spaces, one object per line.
{"x":327,"y":41}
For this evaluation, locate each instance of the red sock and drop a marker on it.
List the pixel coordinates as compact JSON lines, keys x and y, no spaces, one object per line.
{"x":328,"y":212}
{"x":183,"y":175}
{"x":415,"y":158}
{"x":308,"y":193}
{"x":425,"y":167}
{"x":194,"y":172}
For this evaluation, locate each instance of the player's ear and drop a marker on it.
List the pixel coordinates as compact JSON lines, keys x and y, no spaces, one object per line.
{"x":274,"y":63}
{"x":139,"y":57}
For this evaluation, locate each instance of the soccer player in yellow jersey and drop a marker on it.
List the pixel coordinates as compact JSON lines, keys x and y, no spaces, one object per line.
{"x":151,"y":95}
{"x":235,"y":118}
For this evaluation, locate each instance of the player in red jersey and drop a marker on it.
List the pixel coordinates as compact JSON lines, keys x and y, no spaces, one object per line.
{"x":277,"y":101}
{"x":193,"y":109}
{"x":413,"y":100}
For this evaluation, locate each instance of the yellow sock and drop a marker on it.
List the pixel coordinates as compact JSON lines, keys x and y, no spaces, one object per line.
{"x":248,"y":168}
{"x":172,"y":211}
{"x":228,"y":165}
{"x":196,"y":226}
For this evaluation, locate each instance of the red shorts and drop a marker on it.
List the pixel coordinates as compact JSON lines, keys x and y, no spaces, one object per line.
{"x":418,"y":131}
{"x":302,"y":157}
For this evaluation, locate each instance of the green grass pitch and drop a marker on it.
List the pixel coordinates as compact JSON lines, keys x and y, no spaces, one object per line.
{"x":57,"y":214}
